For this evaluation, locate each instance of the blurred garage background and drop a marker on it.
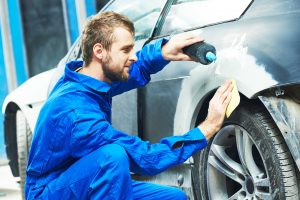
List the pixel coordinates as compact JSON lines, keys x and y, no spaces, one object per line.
{"x":34,"y":36}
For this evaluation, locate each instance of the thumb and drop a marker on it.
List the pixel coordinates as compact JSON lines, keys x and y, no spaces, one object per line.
{"x":184,"y":57}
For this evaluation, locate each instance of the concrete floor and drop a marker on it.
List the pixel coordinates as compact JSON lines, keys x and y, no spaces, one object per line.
{"x":9,"y":188}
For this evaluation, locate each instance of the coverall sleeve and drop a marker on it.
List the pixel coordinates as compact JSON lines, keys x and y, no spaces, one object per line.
{"x":149,"y":61}
{"x":91,"y":133}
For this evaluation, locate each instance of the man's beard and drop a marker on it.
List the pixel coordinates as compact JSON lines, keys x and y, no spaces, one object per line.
{"x":111,"y":74}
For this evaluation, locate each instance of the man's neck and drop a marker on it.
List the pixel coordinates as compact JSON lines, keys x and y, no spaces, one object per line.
{"x":94,"y":70}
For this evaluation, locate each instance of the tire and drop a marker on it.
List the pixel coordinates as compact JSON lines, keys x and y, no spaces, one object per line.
{"x":247,"y":159}
{"x":24,"y":136}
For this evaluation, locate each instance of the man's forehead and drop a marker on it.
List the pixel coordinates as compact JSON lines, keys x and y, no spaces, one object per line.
{"x":123,"y":37}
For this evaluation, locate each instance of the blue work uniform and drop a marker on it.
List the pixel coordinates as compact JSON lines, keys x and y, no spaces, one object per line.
{"x":77,"y":154}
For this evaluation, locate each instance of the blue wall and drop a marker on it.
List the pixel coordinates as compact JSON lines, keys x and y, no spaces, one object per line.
{"x":3,"y":93}
{"x":18,"y":46}
{"x":15,"y":25}
{"x":90,"y":7}
{"x":72,"y":18}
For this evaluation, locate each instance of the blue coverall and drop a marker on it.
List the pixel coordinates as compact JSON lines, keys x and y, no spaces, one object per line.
{"x":77,"y":154}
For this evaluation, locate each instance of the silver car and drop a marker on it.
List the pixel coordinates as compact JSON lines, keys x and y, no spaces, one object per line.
{"x":256,"y":154}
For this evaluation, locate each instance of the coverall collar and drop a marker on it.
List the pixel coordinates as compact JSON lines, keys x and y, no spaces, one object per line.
{"x":88,"y":81}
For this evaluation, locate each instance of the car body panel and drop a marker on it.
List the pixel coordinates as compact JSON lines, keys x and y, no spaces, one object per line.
{"x":248,"y":50}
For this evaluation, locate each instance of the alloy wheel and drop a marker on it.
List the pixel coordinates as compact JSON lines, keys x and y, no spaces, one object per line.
{"x":235,"y":167}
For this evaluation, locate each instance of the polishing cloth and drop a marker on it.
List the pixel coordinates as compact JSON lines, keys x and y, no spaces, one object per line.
{"x":235,"y":99}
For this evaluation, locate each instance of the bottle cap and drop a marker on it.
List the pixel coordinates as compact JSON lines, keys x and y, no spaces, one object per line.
{"x":210,"y":56}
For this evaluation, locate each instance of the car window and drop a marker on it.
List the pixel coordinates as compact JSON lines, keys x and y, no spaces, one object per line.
{"x":144,"y":14}
{"x":188,"y":14}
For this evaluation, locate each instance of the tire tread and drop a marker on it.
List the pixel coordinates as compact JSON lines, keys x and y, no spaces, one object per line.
{"x":287,"y":167}
{"x":24,"y":136}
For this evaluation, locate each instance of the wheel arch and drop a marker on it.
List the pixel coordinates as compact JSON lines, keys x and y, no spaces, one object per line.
{"x":10,"y":137}
{"x":284,"y":110}
{"x":261,"y":119}
{"x":10,"y":129}
{"x":203,"y":80}
{"x":196,"y":91}
{"x":202,"y":107}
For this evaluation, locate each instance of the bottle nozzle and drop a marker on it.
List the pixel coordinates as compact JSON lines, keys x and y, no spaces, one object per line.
{"x":210,"y":56}
{"x":201,"y":52}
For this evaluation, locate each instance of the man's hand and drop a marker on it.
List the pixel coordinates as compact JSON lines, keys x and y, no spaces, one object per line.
{"x":216,"y":110}
{"x":173,"y":49}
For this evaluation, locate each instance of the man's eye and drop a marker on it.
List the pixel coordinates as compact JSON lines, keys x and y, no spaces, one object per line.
{"x":126,"y":50}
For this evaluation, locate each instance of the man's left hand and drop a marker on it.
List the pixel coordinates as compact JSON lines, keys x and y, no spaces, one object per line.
{"x":172,"y":50}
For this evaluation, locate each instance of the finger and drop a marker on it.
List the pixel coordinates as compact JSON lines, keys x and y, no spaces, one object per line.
{"x":192,"y":33}
{"x":217,"y":94}
{"x":191,"y":41}
{"x":184,"y":57}
{"x":227,"y":100}
{"x":225,"y":96}
{"x":221,"y":89}
{"x":187,"y":35}
{"x":227,"y":92}
{"x":229,"y":88}
{"x":226,"y":86}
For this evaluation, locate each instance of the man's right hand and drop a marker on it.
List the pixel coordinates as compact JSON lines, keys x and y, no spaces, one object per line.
{"x":172,"y":50}
{"x":216,"y":110}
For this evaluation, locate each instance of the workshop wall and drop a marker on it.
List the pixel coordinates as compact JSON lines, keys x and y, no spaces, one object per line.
{"x":34,"y":36}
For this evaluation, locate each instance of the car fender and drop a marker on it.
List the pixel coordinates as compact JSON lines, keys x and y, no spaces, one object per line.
{"x":30,"y":96}
{"x":232,"y":63}
{"x":285,"y":113}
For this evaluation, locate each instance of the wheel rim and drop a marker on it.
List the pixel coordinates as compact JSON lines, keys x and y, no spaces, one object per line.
{"x":235,"y":168}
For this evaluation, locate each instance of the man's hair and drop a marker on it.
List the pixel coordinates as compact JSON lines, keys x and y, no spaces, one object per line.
{"x":99,"y":29}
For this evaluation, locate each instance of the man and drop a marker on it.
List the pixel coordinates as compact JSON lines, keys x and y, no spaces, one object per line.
{"x":77,"y":154}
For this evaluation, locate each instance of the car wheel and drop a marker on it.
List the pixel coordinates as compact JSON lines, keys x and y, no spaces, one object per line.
{"x":24,"y":136}
{"x":247,"y":159}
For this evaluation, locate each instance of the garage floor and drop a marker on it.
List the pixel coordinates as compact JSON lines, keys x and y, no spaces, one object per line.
{"x":9,"y":188}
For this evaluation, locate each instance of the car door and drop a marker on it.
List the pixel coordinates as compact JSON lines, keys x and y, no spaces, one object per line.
{"x":159,"y":99}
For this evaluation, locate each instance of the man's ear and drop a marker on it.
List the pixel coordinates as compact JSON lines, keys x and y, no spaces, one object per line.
{"x":98,"y":51}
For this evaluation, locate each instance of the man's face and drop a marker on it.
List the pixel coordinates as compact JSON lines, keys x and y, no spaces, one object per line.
{"x":118,"y":60}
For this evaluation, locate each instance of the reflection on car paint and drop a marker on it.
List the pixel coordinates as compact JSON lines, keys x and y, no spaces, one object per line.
{"x":236,"y":62}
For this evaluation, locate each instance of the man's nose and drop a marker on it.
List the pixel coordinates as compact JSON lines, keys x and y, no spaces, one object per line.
{"x":133,"y":57}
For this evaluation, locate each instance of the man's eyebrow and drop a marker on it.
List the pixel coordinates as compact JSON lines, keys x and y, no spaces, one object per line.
{"x":128,"y":46}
